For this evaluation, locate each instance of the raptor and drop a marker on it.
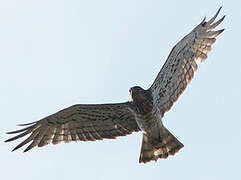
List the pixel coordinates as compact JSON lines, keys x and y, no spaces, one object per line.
{"x":144,"y":112}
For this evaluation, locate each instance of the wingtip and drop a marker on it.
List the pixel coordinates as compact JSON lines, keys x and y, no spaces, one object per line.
{"x":223,"y":17}
{"x":219,"y":9}
{"x":221,"y":30}
{"x":25,"y":150}
{"x":9,"y":140}
{"x":28,"y":148}
{"x":11,"y":132}
{"x":203,"y":20}
{"x":214,"y":25}
{"x":14,"y":149}
{"x":26,"y":124}
{"x":215,"y":16}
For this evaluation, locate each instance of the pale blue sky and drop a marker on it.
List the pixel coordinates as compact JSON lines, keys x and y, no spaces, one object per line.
{"x":58,"y":53}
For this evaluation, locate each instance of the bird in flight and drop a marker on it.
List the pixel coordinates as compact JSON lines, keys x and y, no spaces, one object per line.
{"x":144,"y":112}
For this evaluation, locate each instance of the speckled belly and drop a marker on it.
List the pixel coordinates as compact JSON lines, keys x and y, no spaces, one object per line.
{"x":149,"y":123}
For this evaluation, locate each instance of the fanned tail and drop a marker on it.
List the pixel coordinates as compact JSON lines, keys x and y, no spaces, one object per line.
{"x":153,"y":149}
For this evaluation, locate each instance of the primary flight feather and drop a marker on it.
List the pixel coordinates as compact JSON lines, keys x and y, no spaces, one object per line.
{"x":144,"y":112}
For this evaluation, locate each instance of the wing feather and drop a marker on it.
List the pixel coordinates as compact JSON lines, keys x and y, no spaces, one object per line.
{"x":180,"y":65}
{"x":79,"y":123}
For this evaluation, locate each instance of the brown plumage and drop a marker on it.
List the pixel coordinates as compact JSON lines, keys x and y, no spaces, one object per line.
{"x":143,"y":113}
{"x":79,"y":123}
{"x":152,"y":149}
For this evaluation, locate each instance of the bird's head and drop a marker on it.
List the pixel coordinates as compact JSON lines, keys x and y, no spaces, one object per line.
{"x":141,"y":98}
{"x":137,"y":93}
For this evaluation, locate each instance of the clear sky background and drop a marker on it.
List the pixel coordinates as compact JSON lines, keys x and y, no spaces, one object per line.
{"x":57,"y":53}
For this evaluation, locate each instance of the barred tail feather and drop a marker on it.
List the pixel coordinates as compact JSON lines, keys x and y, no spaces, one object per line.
{"x":153,"y":149}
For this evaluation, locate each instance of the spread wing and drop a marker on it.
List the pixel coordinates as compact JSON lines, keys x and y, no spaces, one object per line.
{"x":180,"y":65}
{"x":79,"y":123}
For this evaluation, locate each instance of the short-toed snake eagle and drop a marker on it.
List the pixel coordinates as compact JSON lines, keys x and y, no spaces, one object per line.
{"x":144,"y":112}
